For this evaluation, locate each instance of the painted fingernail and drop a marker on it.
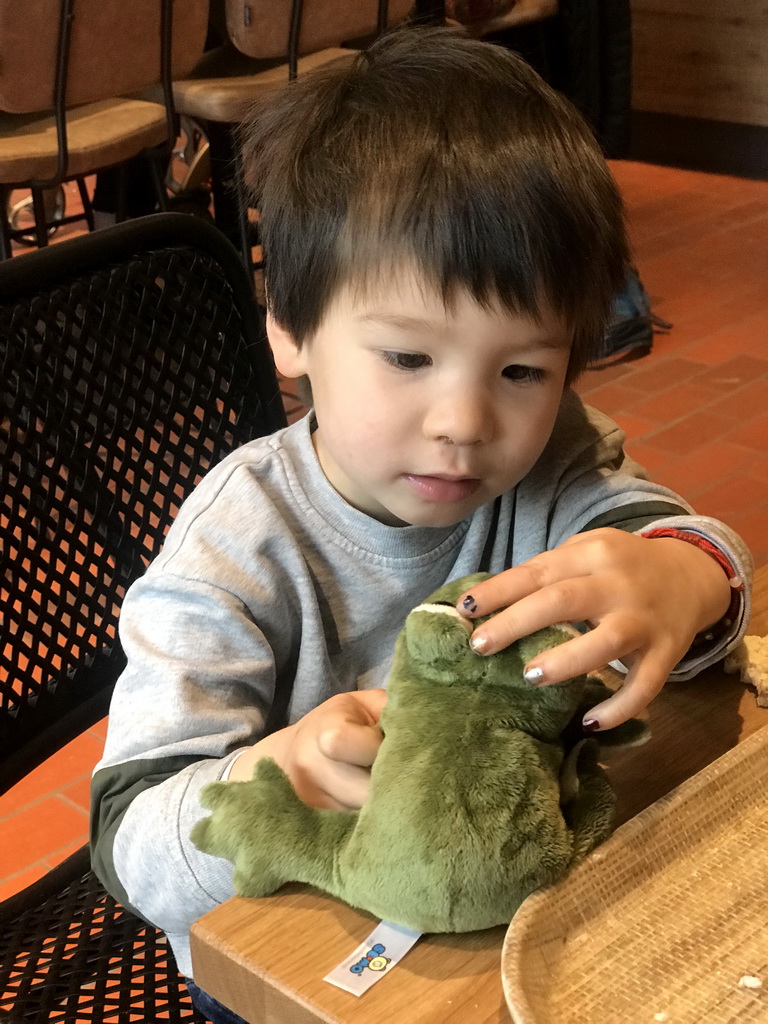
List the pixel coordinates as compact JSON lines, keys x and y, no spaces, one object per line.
{"x":590,"y":725}
{"x":478,"y":644}
{"x":469,"y":603}
{"x":533,"y":675}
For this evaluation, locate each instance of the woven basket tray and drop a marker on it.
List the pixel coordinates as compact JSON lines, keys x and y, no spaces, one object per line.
{"x":666,"y":921}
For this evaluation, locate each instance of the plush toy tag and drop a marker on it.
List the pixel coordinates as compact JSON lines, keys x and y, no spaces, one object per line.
{"x":374,"y":957}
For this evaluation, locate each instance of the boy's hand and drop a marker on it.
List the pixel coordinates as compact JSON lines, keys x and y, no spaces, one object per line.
{"x":328,"y":753}
{"x":646,"y":599}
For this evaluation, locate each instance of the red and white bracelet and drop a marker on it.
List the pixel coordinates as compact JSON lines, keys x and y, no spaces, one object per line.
{"x":736,"y":583}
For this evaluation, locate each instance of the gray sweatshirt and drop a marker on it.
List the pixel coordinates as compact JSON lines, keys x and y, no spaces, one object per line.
{"x":272,"y":594}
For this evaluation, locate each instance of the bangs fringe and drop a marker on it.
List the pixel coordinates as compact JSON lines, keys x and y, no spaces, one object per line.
{"x":447,"y":154}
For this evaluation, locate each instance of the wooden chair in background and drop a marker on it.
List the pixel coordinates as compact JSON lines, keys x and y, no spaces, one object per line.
{"x":68,"y":72}
{"x":268,"y":42}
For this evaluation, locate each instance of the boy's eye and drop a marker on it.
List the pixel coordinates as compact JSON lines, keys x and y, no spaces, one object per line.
{"x":523,"y":374}
{"x":406,"y":360}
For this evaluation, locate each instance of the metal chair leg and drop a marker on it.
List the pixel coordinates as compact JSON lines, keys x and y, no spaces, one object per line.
{"x":5,"y":236}
{"x":244,"y":223}
{"x":87,"y":204}
{"x":158,"y":180}
{"x":41,"y":217}
{"x":121,"y":193}
{"x":227,"y":208}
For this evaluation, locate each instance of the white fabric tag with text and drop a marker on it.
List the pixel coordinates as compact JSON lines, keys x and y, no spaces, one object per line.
{"x":374,"y":957}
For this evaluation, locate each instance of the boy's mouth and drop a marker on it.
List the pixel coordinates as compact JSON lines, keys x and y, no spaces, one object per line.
{"x":443,"y":488}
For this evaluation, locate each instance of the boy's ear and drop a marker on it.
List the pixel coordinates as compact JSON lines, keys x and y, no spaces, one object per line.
{"x":290,"y":358}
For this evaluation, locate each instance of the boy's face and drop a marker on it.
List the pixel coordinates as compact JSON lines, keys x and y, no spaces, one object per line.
{"x":425,"y":412}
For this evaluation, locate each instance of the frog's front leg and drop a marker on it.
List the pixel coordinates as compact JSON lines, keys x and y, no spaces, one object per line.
{"x":589,"y":803}
{"x":269,"y":834}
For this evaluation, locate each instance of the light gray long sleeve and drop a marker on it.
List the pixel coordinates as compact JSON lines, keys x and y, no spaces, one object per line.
{"x":271,"y":594}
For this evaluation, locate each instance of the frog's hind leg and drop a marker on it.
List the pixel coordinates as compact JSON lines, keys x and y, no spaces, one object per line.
{"x":588,"y":801}
{"x":269,"y":834}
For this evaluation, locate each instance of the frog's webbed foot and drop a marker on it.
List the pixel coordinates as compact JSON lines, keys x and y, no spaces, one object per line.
{"x":254,"y":825}
{"x":587,"y":800}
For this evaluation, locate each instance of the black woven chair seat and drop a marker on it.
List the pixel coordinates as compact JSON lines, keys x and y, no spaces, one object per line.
{"x":131,"y":362}
{"x":69,"y":953}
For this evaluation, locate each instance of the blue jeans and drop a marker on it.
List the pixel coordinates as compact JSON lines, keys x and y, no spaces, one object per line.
{"x":210,"y":1007}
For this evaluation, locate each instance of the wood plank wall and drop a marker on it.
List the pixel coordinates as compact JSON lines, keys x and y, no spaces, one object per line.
{"x":702,"y":58}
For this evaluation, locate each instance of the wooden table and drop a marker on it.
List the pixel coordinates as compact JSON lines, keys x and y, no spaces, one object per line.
{"x":266,"y":958}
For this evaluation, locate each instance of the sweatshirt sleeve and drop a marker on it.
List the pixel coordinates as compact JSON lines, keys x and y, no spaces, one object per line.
{"x":212,"y":644}
{"x":197,"y":689}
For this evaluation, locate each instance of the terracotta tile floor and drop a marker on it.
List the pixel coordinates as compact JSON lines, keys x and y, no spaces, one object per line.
{"x":695,"y":409}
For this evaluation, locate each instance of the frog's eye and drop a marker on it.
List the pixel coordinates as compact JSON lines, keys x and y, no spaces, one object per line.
{"x":437,"y":635}
{"x":445,"y":608}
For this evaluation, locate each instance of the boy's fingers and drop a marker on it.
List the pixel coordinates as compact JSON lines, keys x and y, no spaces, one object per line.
{"x":351,"y":743}
{"x":353,"y":735}
{"x":500,"y":591}
{"x":337,"y":787}
{"x":348,"y":785}
{"x":576,"y":657}
{"x":572,"y":600}
{"x":371,"y":701}
{"x":512,"y":585}
{"x":644,"y":681}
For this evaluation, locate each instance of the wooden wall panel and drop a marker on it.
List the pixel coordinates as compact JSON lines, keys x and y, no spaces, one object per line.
{"x":702,"y":58}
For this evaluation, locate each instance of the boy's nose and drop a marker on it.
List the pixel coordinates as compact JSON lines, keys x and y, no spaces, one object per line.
{"x":464,"y":419}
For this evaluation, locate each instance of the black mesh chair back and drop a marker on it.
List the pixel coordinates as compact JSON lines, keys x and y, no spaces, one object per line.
{"x":131,"y":361}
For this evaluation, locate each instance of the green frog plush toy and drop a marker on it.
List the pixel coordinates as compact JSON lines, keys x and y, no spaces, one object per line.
{"x":483,"y":789}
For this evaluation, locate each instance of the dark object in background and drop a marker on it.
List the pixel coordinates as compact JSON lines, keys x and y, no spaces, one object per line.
{"x":630,"y":333}
{"x":126,"y":191}
{"x":585,"y":52}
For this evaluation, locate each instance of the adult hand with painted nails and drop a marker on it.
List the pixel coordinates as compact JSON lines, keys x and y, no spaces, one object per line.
{"x":645,"y":600}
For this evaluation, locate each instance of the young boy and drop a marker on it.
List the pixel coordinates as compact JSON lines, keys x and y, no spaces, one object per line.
{"x":443,"y":240}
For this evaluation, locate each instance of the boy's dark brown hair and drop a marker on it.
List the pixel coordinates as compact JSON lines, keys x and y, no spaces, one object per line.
{"x":444,"y":153}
